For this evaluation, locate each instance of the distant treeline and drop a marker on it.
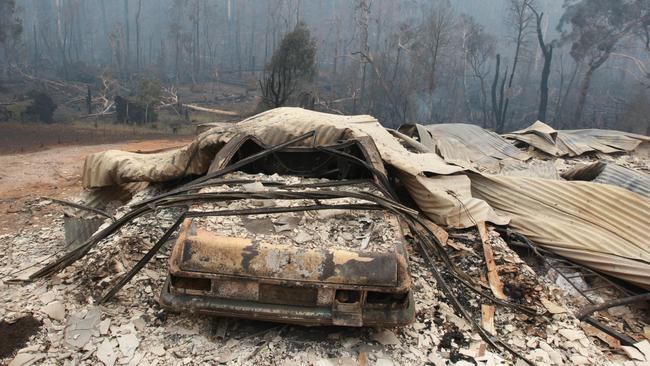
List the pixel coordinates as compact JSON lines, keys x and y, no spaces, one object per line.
{"x":501,"y":64}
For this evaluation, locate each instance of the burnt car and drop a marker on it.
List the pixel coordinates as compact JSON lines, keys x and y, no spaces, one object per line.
{"x":306,"y":263}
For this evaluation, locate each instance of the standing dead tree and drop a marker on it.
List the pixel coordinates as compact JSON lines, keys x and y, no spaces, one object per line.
{"x":563,"y":94}
{"x":363,"y":9}
{"x":137,"y":36}
{"x":434,"y":37}
{"x":11,"y":27}
{"x":520,"y":20}
{"x":479,"y":49}
{"x":499,"y":99}
{"x":127,"y":40}
{"x":547,"y":53}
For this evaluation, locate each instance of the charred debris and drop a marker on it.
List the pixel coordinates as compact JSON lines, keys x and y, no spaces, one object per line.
{"x":418,"y":243}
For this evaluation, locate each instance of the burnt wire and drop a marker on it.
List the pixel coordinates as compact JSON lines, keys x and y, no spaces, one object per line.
{"x":384,"y":186}
{"x":409,"y":215}
{"x":231,"y":168}
{"x":144,"y":260}
{"x":583,"y":314}
{"x":81,"y":207}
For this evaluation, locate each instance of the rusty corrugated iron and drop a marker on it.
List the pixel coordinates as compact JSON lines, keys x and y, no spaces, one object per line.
{"x":611,"y":173}
{"x":600,"y":226}
{"x":576,"y":142}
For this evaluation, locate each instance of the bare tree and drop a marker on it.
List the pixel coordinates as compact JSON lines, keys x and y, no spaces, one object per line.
{"x":563,"y":94}
{"x":127,"y":34}
{"x":547,"y":53}
{"x":434,"y":36}
{"x":596,"y":28}
{"x":116,"y":42}
{"x":176,"y":34}
{"x":363,"y":17}
{"x":499,"y":100}
{"x":520,"y":19}
{"x":137,"y":35}
{"x":196,"y":59}
{"x":480,"y":47}
{"x":11,"y":27}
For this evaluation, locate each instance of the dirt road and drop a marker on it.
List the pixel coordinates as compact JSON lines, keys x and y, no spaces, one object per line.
{"x":56,"y":172}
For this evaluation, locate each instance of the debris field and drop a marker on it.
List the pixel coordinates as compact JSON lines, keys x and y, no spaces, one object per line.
{"x":490,"y":283}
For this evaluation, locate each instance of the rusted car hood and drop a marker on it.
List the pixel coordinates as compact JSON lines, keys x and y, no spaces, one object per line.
{"x":199,"y":252}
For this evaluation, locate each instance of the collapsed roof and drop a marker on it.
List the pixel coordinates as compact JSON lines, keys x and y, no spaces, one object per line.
{"x":572,"y":218}
{"x":465,"y":145}
{"x":576,"y":142}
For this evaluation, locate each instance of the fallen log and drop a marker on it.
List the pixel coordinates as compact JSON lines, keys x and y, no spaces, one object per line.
{"x":210,"y":110}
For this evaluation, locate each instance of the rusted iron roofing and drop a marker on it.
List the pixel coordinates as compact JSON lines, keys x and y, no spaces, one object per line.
{"x":610,"y":173}
{"x":576,"y":142}
{"x":452,"y":206}
{"x":601,"y":226}
{"x":466,"y":145}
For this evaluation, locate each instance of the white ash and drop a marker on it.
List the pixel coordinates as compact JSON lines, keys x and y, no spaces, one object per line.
{"x":357,"y":230}
{"x":134,"y":327}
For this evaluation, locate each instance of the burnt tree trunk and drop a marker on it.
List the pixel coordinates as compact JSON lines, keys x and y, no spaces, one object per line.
{"x":582,"y":97}
{"x":127,"y":36}
{"x":547,"y":52}
{"x":594,"y":64}
{"x":495,"y":110}
{"x":543,"y":97}
{"x":89,"y":100}
{"x":137,"y":36}
{"x":562,"y":98}
{"x":499,"y":105}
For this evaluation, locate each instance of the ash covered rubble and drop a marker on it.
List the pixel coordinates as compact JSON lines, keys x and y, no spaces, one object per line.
{"x":342,"y":229}
{"x":482,"y":294}
{"x":133,"y":329}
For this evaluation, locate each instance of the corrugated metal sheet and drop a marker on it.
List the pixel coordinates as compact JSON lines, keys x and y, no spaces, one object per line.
{"x":467,"y":145}
{"x":448,"y":199}
{"x":576,"y":142}
{"x":601,"y":226}
{"x":544,"y":169}
{"x":629,"y":179}
{"x":610,"y":173}
{"x":538,"y":135}
{"x":281,"y":124}
{"x":586,"y":172}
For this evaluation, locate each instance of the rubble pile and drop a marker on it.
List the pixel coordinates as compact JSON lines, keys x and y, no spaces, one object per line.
{"x":133,"y":330}
{"x":344,"y":229}
{"x":524,"y":252}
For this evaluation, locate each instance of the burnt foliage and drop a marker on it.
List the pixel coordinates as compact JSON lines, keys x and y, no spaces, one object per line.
{"x":41,"y":106}
{"x":292,"y":63}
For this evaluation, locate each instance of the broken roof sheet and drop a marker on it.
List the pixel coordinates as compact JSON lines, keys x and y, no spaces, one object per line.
{"x":601,"y":226}
{"x":467,"y":145}
{"x":576,"y":142}
{"x":573,"y":219}
{"x":533,"y":169}
{"x":447,"y":202}
{"x":610,"y":173}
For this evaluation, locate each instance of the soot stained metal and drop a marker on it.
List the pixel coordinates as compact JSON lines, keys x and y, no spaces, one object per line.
{"x":220,"y":267}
